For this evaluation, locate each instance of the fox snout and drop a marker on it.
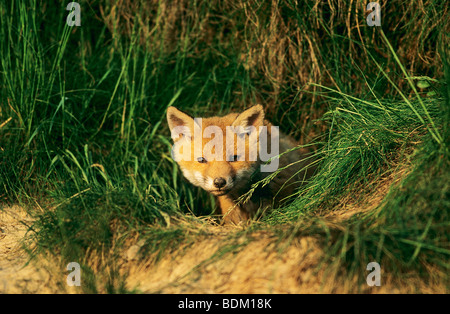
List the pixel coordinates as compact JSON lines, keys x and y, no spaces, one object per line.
{"x":219,"y":182}
{"x":221,"y":186}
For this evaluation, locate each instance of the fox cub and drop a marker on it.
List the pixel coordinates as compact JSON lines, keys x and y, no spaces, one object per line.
{"x":227,"y":155}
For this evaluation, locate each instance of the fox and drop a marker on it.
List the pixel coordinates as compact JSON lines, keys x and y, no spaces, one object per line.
{"x":230,"y":168}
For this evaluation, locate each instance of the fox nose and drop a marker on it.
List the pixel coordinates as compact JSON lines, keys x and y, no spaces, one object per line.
{"x":219,"y":182}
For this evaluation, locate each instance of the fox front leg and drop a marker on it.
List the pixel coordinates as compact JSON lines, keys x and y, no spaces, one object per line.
{"x":232,"y":213}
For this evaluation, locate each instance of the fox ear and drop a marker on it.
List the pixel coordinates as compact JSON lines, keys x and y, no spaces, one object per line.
{"x":254,"y":116}
{"x":176,"y":118}
{"x":179,"y":122}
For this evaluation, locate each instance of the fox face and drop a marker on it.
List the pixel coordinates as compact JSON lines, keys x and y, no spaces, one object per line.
{"x":218,"y":154}
{"x":227,"y":155}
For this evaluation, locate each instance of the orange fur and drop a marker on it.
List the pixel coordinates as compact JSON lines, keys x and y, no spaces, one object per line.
{"x":228,"y":178}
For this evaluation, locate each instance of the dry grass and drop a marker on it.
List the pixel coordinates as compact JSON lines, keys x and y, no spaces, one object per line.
{"x":287,"y":45}
{"x":284,"y":41}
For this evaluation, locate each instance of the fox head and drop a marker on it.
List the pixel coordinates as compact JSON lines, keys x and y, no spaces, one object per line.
{"x":217,"y":154}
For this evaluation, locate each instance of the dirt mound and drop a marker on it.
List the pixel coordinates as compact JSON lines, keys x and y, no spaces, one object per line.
{"x":216,"y":260}
{"x":216,"y":264}
{"x":261,"y":266}
{"x":209,"y":266}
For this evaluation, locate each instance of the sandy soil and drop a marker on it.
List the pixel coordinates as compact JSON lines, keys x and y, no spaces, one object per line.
{"x":265,"y":265}
{"x":212,"y":264}
{"x":15,"y":275}
{"x":255,"y":268}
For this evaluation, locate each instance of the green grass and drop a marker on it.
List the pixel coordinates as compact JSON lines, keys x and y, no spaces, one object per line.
{"x":409,"y":228}
{"x":86,"y":148}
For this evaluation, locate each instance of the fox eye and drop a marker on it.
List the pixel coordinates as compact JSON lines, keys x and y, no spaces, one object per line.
{"x":235,"y":158}
{"x":202,"y":160}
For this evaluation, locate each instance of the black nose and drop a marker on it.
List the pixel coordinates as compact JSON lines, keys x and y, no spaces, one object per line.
{"x":219,"y":182}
